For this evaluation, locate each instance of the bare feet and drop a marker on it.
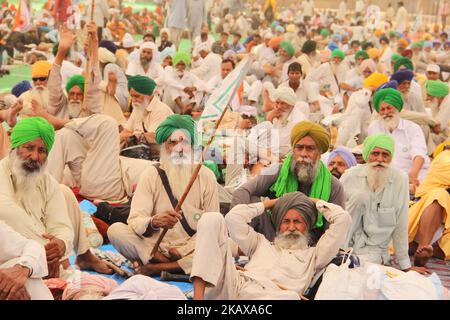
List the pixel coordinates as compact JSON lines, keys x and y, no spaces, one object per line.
{"x":88,"y":261}
{"x":422,"y":256}
{"x":437,"y":252}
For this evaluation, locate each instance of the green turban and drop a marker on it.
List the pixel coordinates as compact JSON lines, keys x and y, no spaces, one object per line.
{"x":288,"y":47}
{"x":363,"y":54}
{"x":395,"y":57}
{"x":325,"y":32}
{"x":389,"y":95}
{"x":437,"y":88}
{"x":142,"y":84}
{"x":213,"y":167}
{"x":173,"y":123}
{"x":338,"y":53}
{"x":75,"y":80}
{"x":380,"y":140}
{"x":315,"y":131}
{"x":182,"y":56}
{"x":417,"y":44}
{"x":403,"y":62}
{"x":30,"y":129}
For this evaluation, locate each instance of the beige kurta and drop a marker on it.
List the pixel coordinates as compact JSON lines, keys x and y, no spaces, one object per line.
{"x":269,"y":268}
{"x":5,"y":144}
{"x":149,"y":199}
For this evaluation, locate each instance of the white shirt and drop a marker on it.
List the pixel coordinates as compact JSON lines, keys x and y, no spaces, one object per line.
{"x":308,"y":8}
{"x":197,"y":41}
{"x":155,"y":70}
{"x":324,"y":75}
{"x":264,"y":54}
{"x":209,"y":68}
{"x":409,"y":143}
{"x":284,"y":129}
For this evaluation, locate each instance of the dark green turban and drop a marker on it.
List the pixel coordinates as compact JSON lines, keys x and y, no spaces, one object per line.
{"x":30,"y":129}
{"x":288,"y":47}
{"x":309,"y":46}
{"x":173,"y":123}
{"x":389,"y":95}
{"x":403,"y":62}
{"x":75,"y":80}
{"x":142,"y":84}
{"x":363,"y":54}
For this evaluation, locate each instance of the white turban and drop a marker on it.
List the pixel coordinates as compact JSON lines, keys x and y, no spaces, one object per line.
{"x":105,"y":56}
{"x":286,"y":94}
{"x":204,"y":46}
{"x":151,"y":45}
{"x":268,"y":35}
{"x":128,"y":41}
{"x":165,"y":30}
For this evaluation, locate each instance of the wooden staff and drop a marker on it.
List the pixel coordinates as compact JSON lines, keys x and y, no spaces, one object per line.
{"x":191,"y":181}
{"x":88,"y":60}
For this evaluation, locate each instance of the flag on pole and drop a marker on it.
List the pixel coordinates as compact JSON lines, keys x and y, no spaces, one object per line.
{"x":224,"y":92}
{"x":22,"y":20}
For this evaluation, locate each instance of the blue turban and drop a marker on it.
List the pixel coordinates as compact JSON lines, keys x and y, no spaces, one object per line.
{"x":345,"y":154}
{"x":390,"y":84}
{"x":20,"y":88}
{"x":403,"y":75}
{"x":332,"y":46}
{"x":109,"y":45}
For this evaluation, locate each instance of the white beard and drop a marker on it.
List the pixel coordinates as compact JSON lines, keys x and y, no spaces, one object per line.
{"x":377,"y":177}
{"x":434,"y":107}
{"x":26,"y":182}
{"x":75,"y":109}
{"x":291,"y":241}
{"x":392,"y":123}
{"x":306,"y":173}
{"x":178,"y":171}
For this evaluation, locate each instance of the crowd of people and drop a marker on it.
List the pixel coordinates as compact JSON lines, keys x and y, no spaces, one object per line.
{"x":335,"y":143}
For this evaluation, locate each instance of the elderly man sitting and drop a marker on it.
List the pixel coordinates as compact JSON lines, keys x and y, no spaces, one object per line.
{"x":146,"y":65}
{"x":411,"y":156}
{"x":411,"y":99}
{"x":340,"y":160}
{"x":36,"y":206}
{"x":302,"y":170}
{"x":377,"y":200}
{"x":22,"y":267}
{"x":281,"y":269}
{"x":157,"y":193}
{"x":439,"y":99}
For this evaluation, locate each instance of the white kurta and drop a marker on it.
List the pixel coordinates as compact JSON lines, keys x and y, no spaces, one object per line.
{"x":209,"y":68}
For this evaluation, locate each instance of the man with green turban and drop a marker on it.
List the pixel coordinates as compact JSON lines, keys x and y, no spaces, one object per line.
{"x":403,"y":63}
{"x":360,"y":56}
{"x":183,"y":89}
{"x":377,"y":199}
{"x":152,"y":207}
{"x":439,"y":102}
{"x":302,"y":170}
{"x":288,"y":47}
{"x":148,"y":111}
{"x":39,"y":208}
{"x":412,"y":154}
{"x":70,"y":105}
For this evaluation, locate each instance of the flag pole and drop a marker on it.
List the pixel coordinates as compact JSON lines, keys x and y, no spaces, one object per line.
{"x":88,"y":61}
{"x":197,"y":169}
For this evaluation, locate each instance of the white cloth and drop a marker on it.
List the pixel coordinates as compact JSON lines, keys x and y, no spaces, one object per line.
{"x":209,"y":68}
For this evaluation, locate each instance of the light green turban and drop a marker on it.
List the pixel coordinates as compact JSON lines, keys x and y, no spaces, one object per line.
{"x":173,"y":123}
{"x":142,"y":84}
{"x":389,"y":95}
{"x":380,"y":140}
{"x":213,"y":167}
{"x":437,"y":88}
{"x":30,"y":129}
{"x":338,"y":53}
{"x":325,"y":32}
{"x":315,"y":131}
{"x":75,"y":80}
{"x":181,"y":56}
{"x":361,"y":53}
{"x":288,"y":47}
{"x":403,"y":62}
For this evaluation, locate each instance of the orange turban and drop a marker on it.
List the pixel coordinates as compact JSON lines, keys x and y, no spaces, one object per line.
{"x":378,"y":33}
{"x":373,"y":53}
{"x":40,"y":69}
{"x":402,"y":41}
{"x":275,"y":42}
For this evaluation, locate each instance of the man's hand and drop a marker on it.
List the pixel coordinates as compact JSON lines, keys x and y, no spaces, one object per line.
{"x":166,"y":220}
{"x":12,"y":283}
{"x":422,"y":270}
{"x":11,"y":118}
{"x":66,"y":39}
{"x":54,"y":249}
{"x":413,"y":179}
{"x":269,"y":203}
{"x":92,"y":30}
{"x":38,"y":110}
{"x":174,"y":254}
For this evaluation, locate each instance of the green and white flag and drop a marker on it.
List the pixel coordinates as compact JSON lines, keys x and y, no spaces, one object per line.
{"x":224,"y":92}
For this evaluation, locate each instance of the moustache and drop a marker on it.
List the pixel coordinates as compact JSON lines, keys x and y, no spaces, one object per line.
{"x":31,"y":165}
{"x":377,"y":164}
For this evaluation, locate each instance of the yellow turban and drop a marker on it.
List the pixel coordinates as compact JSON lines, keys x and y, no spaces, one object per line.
{"x":121,"y":54}
{"x":373,"y":53}
{"x":402,"y":41}
{"x":440,"y":148}
{"x":315,"y":131}
{"x":40,"y":69}
{"x":375,"y":80}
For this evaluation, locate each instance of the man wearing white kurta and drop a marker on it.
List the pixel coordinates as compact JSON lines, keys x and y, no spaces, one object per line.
{"x":279,"y":270}
{"x":146,"y":65}
{"x":152,"y":209}
{"x":17,"y":255}
{"x":210,"y":66}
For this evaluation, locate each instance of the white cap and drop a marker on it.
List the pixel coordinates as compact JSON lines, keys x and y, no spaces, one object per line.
{"x":433,"y":68}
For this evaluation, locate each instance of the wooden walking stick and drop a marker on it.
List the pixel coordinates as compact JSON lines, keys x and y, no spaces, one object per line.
{"x":88,"y":61}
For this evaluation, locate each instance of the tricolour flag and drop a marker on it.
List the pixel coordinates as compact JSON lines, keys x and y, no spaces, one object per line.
{"x":22,"y":20}
{"x":224,"y":92}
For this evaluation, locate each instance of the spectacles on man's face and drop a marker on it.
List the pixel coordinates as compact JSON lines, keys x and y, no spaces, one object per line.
{"x":42,"y":79}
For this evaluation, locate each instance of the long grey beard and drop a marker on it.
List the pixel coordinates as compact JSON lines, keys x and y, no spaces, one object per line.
{"x":74,"y":109}
{"x":178,"y":171}
{"x":26,"y":182}
{"x":306,"y":172}
{"x":377,"y":177}
{"x":291,"y":240}
{"x":390,"y":124}
{"x":145,"y":62}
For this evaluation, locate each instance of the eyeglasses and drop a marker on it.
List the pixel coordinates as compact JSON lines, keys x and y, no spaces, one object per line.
{"x":39,"y":79}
